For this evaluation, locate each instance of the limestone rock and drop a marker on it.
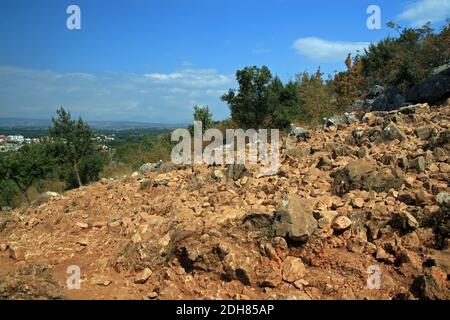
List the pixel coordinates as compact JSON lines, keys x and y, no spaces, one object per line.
{"x":293,"y":269}
{"x":295,"y":220}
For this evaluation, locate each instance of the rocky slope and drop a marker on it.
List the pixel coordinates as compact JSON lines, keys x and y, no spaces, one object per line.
{"x":373,"y":194}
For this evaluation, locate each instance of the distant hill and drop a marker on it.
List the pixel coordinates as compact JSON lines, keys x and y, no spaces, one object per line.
{"x":18,"y":123}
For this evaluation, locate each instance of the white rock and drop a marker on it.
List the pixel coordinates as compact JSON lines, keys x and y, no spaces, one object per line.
{"x":293,"y":269}
{"x":143,"y":276}
{"x":341,"y":223}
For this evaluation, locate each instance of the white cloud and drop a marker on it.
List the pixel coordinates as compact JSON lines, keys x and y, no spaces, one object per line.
{"x":420,"y":12}
{"x":198,"y":78}
{"x":154,"y":97}
{"x":321,"y":50}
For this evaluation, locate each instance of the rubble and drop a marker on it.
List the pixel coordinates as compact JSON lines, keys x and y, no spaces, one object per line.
{"x":30,"y":282}
{"x":362,"y":193}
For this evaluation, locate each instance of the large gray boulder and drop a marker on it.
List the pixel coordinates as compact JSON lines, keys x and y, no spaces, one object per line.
{"x":375,"y":92}
{"x":150,"y":167}
{"x":392,"y":132}
{"x":300,"y":133}
{"x":295,"y":220}
{"x":365,"y":175}
{"x":433,"y":89}
{"x":391,"y":99}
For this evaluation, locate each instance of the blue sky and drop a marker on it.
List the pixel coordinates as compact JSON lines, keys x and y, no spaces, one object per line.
{"x":152,"y":60}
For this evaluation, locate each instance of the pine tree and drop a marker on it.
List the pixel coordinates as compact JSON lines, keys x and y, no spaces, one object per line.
{"x":73,"y":142}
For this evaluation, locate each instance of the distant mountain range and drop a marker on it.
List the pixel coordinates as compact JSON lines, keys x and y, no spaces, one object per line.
{"x":17,"y":123}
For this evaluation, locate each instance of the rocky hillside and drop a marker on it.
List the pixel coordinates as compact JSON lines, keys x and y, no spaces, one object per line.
{"x":369,"y":195}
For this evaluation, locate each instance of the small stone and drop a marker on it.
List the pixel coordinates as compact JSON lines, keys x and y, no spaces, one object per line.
{"x":444,"y":167}
{"x":293,"y":269}
{"x":405,"y":221}
{"x":152,"y":295}
{"x":99,"y":224}
{"x":271,"y":278}
{"x":150,"y":167}
{"x":356,"y":245}
{"x":135,"y":174}
{"x":371,"y":248}
{"x":423,"y":133}
{"x":271,"y":253}
{"x":52,"y":194}
{"x":239,"y":267}
{"x":358,"y":203}
{"x":337,"y":203}
{"x":409,"y":181}
{"x":433,"y":168}
{"x":83,"y":242}
{"x":422,"y":197}
{"x":100,"y":281}
{"x":443,"y":198}
{"x":16,"y":253}
{"x":82,"y":225}
{"x":418,"y":164}
{"x":381,"y":254}
{"x":217,"y":174}
{"x":301,"y":284}
{"x":363,"y":152}
{"x":392,"y":132}
{"x":143,"y":276}
{"x":341,"y":223}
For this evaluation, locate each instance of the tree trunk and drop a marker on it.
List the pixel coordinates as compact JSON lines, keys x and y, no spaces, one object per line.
{"x":26,"y":197}
{"x":77,"y":174}
{"x":23,"y":190}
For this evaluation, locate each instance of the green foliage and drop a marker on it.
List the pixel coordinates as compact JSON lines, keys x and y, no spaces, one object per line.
{"x":261,"y":100}
{"x":283,"y":103}
{"x":315,"y":98}
{"x":74,"y":146}
{"x":249,"y":106}
{"x":89,"y":168}
{"x":24,"y":168}
{"x":404,"y":61}
{"x":149,"y":149}
{"x":8,"y":192}
{"x":203,"y":115}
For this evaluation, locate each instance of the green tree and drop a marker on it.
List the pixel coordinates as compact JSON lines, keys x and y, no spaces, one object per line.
{"x":249,"y":105}
{"x":404,"y":61}
{"x":203,"y":115}
{"x":283,"y":103}
{"x":262,"y":101}
{"x":73,"y":146}
{"x":25,"y":167}
{"x":8,"y":191}
{"x":315,"y":98}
